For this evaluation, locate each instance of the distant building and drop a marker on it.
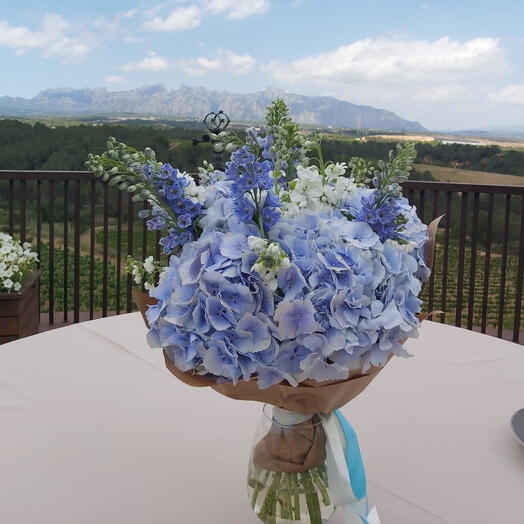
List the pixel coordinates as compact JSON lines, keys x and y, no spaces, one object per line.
{"x":462,"y":141}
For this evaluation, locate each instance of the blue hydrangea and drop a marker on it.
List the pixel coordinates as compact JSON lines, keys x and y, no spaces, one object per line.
{"x":347,"y":301}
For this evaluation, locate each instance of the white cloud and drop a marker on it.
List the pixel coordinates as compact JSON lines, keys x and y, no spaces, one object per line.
{"x":511,"y":94}
{"x":180,"y":19}
{"x":188,"y":17}
{"x":393,"y":61}
{"x":130,"y":13}
{"x":237,"y":9}
{"x":114,"y":79}
{"x":440,"y":93}
{"x":51,"y":37}
{"x":225,"y":61}
{"x":152,"y":62}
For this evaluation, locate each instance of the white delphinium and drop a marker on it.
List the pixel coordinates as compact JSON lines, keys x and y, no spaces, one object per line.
{"x":271,"y":259}
{"x":317,"y":192}
{"x":16,"y":262}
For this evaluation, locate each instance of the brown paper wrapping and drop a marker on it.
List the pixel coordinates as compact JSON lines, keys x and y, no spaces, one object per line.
{"x":291,"y":450}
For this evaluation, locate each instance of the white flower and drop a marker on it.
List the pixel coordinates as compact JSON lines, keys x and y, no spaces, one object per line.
{"x":260,"y":269}
{"x":149,"y":265}
{"x":17,"y":286}
{"x":148,"y":286}
{"x":274,"y":249}
{"x":270,"y":261}
{"x":194,"y":192}
{"x":256,"y":244}
{"x":8,"y":283}
{"x":406,"y":247}
{"x":333,"y":171}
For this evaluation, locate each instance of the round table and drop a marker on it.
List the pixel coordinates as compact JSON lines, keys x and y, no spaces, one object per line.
{"x":93,"y":429}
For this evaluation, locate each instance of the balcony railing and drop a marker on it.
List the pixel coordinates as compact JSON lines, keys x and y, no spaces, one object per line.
{"x":83,"y":231}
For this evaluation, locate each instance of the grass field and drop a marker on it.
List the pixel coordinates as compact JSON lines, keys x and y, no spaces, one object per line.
{"x":467,"y":176}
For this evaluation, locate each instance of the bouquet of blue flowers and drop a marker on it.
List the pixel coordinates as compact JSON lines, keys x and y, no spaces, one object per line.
{"x":291,"y":280}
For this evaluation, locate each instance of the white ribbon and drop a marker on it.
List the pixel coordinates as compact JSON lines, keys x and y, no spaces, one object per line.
{"x":343,"y":462}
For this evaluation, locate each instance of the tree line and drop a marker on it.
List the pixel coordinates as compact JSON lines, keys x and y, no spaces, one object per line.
{"x":40,"y":147}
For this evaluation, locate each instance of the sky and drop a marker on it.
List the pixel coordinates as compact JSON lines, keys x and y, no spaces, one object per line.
{"x":446,"y":64}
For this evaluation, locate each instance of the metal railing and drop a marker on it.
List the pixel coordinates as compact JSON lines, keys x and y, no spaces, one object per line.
{"x":83,"y":231}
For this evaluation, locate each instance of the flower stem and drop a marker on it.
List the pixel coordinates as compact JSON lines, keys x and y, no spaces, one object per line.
{"x":296,"y":495}
{"x":313,"y":504}
{"x":320,"y":485}
{"x":268,"y":510}
{"x":258,"y":488}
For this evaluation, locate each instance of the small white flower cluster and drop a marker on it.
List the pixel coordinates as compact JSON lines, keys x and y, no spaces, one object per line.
{"x":143,"y":272}
{"x":271,"y":259}
{"x":204,"y":171}
{"x":194,"y":192}
{"x":318,"y":193}
{"x":16,"y":261}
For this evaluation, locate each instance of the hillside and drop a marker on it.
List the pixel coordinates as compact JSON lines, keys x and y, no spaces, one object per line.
{"x":196,"y":102}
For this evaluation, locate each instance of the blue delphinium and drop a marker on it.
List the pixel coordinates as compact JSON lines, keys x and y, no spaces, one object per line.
{"x":252,"y":188}
{"x":381,"y":216}
{"x":171,"y":185}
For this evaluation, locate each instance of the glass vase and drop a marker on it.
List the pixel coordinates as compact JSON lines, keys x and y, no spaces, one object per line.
{"x":287,"y":473}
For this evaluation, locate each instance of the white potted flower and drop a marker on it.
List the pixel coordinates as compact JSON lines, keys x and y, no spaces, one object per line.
{"x":19,"y":289}
{"x":144,"y":274}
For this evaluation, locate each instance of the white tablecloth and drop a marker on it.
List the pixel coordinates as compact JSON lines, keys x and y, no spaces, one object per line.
{"x":93,"y":429}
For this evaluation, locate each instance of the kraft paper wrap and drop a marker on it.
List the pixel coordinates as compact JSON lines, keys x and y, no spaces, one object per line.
{"x":283,"y":449}
{"x":291,"y":450}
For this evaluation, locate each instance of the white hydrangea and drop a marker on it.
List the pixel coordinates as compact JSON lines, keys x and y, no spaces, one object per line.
{"x":16,"y":262}
{"x":317,"y":193}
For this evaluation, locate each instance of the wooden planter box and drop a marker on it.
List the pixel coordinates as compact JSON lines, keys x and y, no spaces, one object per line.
{"x":20,"y":312}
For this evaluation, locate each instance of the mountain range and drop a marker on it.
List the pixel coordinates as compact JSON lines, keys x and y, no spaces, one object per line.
{"x":195,"y":102}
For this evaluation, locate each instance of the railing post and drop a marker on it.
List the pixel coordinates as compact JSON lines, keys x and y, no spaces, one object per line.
{"x":520,"y":277}
{"x":51,"y":222}
{"x":77,"y":253}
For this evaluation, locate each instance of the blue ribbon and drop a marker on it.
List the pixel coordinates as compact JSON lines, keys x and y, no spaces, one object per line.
{"x":355,"y":465}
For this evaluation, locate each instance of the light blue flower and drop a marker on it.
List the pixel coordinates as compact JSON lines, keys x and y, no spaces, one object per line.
{"x":291,"y":282}
{"x":315,"y":365}
{"x":219,"y":316}
{"x":255,"y":331}
{"x":233,"y":245}
{"x":237,"y":297}
{"x":296,"y":317}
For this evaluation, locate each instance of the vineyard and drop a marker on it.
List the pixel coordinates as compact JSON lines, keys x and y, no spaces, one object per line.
{"x":492,"y":290}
